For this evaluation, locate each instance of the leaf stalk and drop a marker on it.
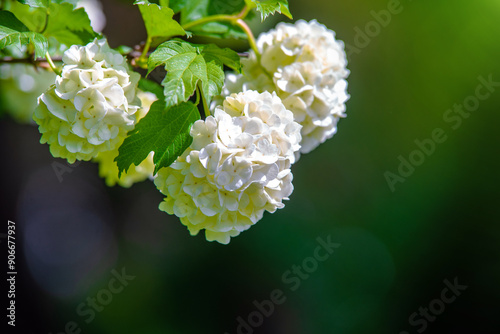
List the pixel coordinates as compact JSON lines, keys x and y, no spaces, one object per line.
{"x":144,"y":55}
{"x":51,"y":64}
{"x":236,"y":20}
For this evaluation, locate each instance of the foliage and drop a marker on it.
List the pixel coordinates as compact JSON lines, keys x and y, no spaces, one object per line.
{"x":159,"y":21}
{"x":152,"y":103}
{"x":14,"y":32}
{"x":164,"y":131}
{"x":269,"y":7}
{"x":190,"y":67}
{"x":57,"y":21}
{"x":37,"y":26}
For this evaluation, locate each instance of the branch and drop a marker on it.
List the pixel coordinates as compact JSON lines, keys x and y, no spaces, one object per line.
{"x":132,"y":56}
{"x":39,"y":61}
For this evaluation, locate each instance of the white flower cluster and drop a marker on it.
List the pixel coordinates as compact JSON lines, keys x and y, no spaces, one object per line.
{"x":92,"y":105}
{"x":306,"y":66}
{"x":237,"y":167}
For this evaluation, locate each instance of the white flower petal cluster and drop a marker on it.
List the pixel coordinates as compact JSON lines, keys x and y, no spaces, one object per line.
{"x":91,"y":107}
{"x":108,"y":169}
{"x":306,"y":66}
{"x":237,"y":167}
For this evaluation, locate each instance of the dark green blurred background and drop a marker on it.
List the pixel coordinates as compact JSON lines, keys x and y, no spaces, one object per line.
{"x":397,"y":247}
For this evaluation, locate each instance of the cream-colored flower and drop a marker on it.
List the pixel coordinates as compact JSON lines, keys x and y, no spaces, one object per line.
{"x":92,"y":104}
{"x":306,"y":66}
{"x":237,"y":167}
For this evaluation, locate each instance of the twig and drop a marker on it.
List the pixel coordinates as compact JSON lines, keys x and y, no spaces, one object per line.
{"x":12,"y":60}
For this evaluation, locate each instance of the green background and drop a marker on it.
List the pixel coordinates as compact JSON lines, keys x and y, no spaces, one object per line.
{"x":396,"y":247}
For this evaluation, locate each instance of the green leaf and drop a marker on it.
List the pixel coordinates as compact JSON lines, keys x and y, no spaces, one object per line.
{"x":151,"y":86}
{"x":269,"y":7}
{"x":185,"y":68}
{"x":227,"y":56}
{"x":124,"y":49}
{"x":61,"y":21}
{"x":14,"y":32}
{"x":9,"y":20}
{"x":225,"y":7}
{"x":191,"y":9}
{"x":159,"y":22}
{"x":164,"y":131}
{"x":190,"y":65}
{"x":33,"y":17}
{"x":221,"y":30}
{"x":167,"y":50}
{"x":69,"y":26}
{"x":184,"y":71}
{"x":35,"y":3}
{"x":45,"y":3}
{"x":177,"y":5}
{"x":215,"y":80}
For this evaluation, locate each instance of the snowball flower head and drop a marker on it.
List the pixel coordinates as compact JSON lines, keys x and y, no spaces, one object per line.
{"x":92,"y":104}
{"x":237,"y":167}
{"x":306,"y":66}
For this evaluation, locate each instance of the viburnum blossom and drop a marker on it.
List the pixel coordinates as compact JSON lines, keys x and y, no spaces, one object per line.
{"x":92,"y":104}
{"x":306,"y":66}
{"x":237,"y":167}
{"x":108,"y":168}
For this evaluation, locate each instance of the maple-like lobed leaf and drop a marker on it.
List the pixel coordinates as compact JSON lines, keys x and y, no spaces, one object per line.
{"x":164,"y":131}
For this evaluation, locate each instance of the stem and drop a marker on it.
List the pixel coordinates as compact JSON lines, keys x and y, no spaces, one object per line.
{"x":213,"y":18}
{"x":220,"y":17}
{"x":142,"y":58}
{"x":46,"y":23}
{"x":10,"y":60}
{"x":233,"y":19}
{"x":244,"y":12}
{"x":251,"y":38}
{"x":51,"y":64}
